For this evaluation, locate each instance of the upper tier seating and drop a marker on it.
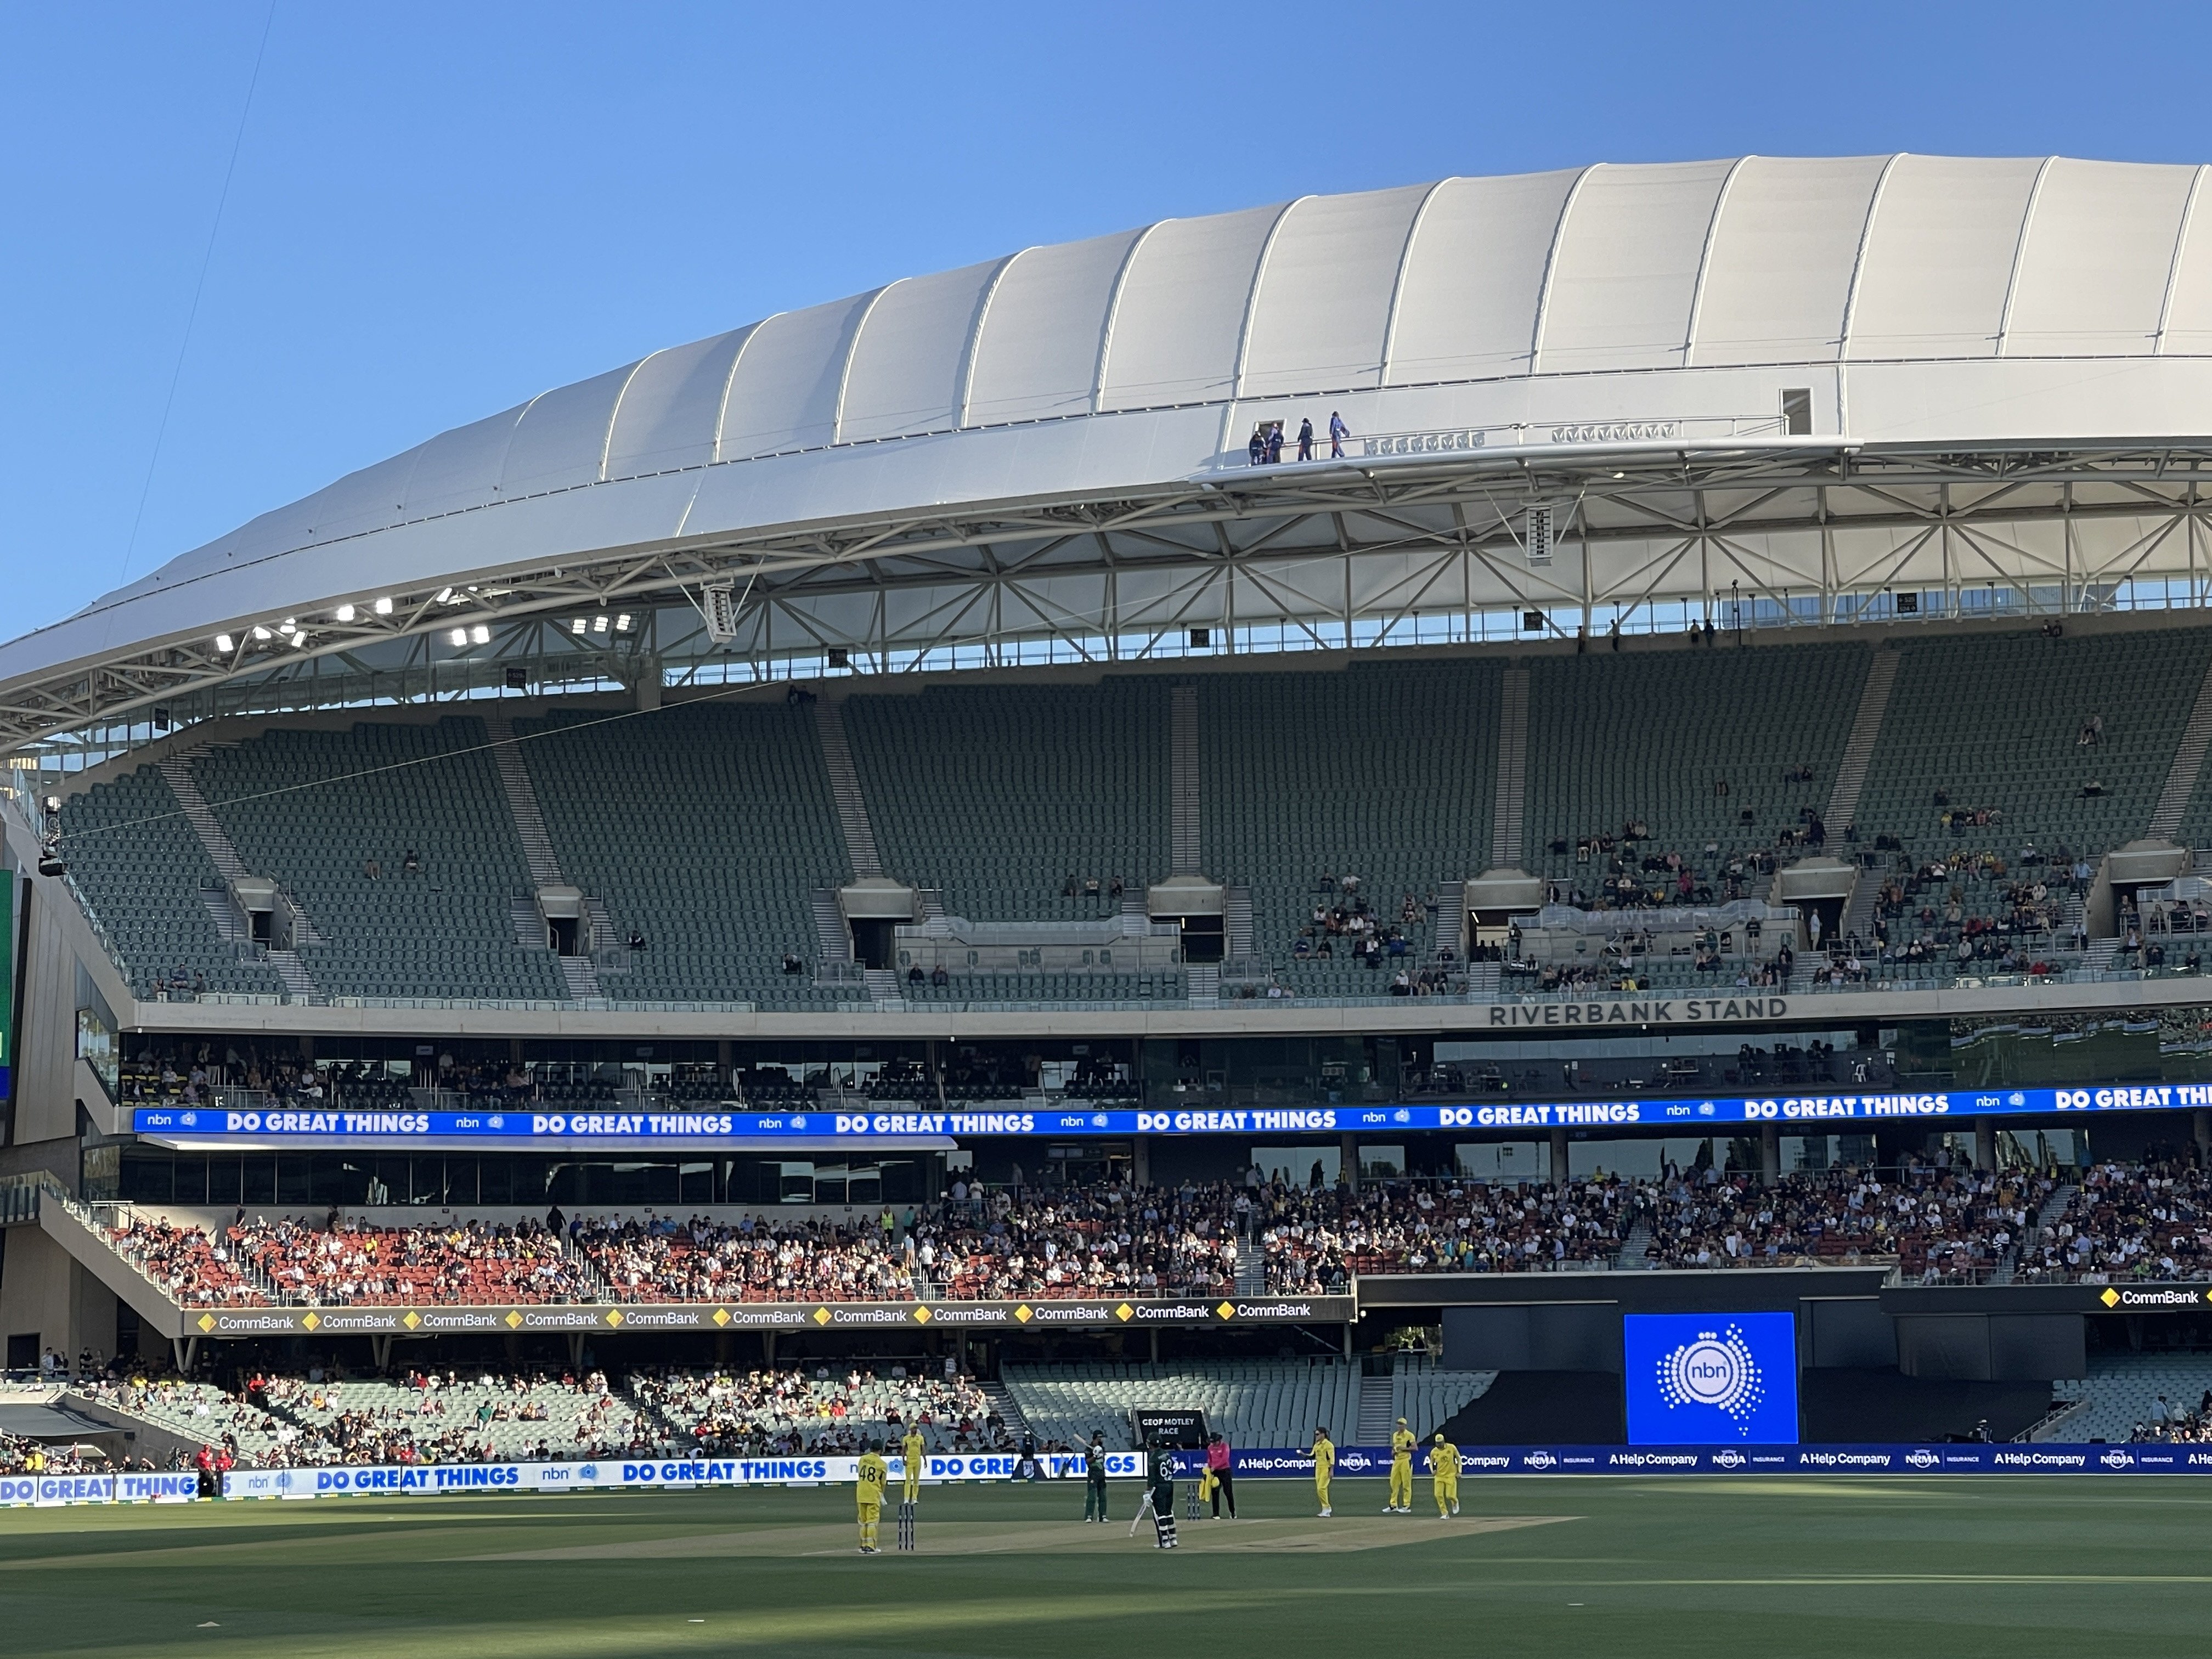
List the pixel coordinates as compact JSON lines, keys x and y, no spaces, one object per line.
{"x":378,"y":791}
{"x":1385,"y":772}
{"x":1994,"y":721}
{"x":142,"y":870}
{"x":996,"y":795}
{"x":1650,"y":738}
{"x":706,"y":829}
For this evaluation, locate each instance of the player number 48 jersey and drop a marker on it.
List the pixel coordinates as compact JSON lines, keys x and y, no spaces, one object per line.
{"x":873,"y":1473}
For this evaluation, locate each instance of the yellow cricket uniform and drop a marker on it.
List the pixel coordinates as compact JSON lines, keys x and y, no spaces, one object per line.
{"x":1324,"y":1457}
{"x":1443,"y":1475}
{"x":913,"y":1450}
{"x":1401,"y":1468}
{"x":874,"y":1476}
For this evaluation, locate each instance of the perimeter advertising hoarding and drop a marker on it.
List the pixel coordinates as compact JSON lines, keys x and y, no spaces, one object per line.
{"x":1707,"y":1379}
{"x":1041,"y":1313}
{"x":2045,"y":1458}
{"x":158,"y":1486}
{"x":1285,"y":1463}
{"x":520,"y":1126}
{"x":645,"y":1474}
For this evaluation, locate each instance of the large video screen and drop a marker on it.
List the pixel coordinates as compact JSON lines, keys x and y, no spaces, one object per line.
{"x":1712,"y":1379}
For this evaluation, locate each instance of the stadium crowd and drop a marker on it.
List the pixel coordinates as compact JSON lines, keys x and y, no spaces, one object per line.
{"x":19,"y":1455}
{"x":348,"y":1263}
{"x":2129,"y":1222}
{"x":658,"y":1259}
{"x":1315,"y":1238}
{"x":1937,"y":1221}
{"x":354,"y":1265}
{"x":783,"y":1412}
{"x":270,"y":1420}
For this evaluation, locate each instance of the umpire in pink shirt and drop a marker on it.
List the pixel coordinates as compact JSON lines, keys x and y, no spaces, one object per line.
{"x":1224,"y":1485}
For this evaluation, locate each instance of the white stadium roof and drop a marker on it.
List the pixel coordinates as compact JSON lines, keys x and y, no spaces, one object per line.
{"x":2003,"y":371}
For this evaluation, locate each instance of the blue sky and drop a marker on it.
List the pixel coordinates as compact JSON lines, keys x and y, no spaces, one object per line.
{"x":438,"y":210}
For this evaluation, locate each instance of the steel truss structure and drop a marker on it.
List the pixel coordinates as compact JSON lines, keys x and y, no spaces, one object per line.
{"x":1404,"y":548}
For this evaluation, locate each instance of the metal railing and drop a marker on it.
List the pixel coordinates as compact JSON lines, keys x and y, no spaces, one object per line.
{"x":1514,"y":434}
{"x":20,"y":1196}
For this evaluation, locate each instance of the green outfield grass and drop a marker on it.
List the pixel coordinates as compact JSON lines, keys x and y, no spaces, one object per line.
{"x":2016,"y":1567}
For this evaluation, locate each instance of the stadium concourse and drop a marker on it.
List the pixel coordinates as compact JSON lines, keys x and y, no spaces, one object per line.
{"x":1285,"y":820}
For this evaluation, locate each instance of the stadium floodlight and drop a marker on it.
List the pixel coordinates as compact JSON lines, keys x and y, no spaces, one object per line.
{"x":480,"y":634}
{"x":621,"y":623}
{"x":344,"y":613}
{"x":225,"y":644}
{"x":458,"y":636}
{"x":383,"y":606}
{"x":719,"y":607}
{"x":259,"y":632}
{"x":599,"y":623}
{"x":581,"y":625}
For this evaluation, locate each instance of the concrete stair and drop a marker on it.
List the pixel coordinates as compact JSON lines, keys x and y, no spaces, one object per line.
{"x":1236,"y":922}
{"x":831,"y":939}
{"x":2188,"y":764}
{"x":1507,"y":811}
{"x":845,"y":789}
{"x":579,"y":974}
{"x":1858,"y":750}
{"x":1376,"y":1418}
{"x":175,"y":768}
{"x":1183,"y":849}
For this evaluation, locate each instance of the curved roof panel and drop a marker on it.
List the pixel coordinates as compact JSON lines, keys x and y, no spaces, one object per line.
{"x":1036,"y":357}
{"x":908,"y":366}
{"x":1466,"y":309}
{"x":1625,"y":273}
{"x":2096,"y":260}
{"x":1940,"y":256}
{"x":783,"y":392}
{"x":1176,"y":327}
{"x":671,"y":408}
{"x":1778,"y":273}
{"x":1323,"y":299}
{"x":1506,"y":302}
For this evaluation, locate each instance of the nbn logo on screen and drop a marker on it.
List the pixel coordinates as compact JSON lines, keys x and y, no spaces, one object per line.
{"x":1702,"y":1379}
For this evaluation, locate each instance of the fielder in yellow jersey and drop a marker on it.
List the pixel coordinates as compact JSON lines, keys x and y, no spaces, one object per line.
{"x":916,"y":1452}
{"x":1443,"y":1475}
{"x":1402,"y":1470}
{"x":874,"y":1476}
{"x":1324,"y":1457}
